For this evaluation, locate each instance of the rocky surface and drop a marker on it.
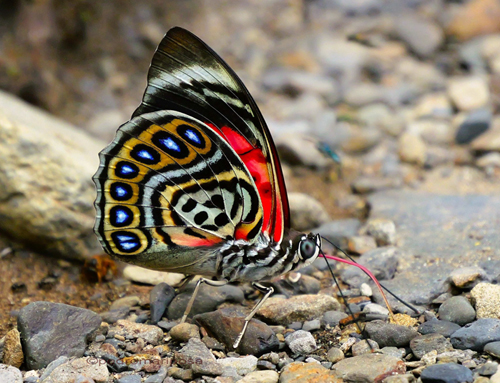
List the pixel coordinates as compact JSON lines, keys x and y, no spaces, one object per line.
{"x":386,"y":117}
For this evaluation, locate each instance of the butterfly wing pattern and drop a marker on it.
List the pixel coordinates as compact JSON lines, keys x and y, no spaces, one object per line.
{"x":192,"y":183}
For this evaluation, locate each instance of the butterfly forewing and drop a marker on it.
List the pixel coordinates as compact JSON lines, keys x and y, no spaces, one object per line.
{"x":187,"y":76}
{"x":168,"y":183}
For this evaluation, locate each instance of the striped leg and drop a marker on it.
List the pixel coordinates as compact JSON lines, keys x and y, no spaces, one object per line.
{"x":267,"y":292}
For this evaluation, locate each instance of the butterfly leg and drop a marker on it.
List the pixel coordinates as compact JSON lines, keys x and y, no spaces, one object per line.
{"x":267,"y":292}
{"x":195,"y":292}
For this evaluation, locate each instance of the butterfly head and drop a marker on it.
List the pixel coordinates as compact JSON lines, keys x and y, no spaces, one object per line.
{"x":306,"y":247}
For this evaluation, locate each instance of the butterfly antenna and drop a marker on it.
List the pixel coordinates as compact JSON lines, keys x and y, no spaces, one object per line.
{"x":341,"y":293}
{"x":375,"y":280}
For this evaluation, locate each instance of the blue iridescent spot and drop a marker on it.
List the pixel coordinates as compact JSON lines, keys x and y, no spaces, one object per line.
{"x":170,"y":144}
{"x":120,"y":191}
{"x":120,"y":216}
{"x":125,"y":241}
{"x":126,"y":170}
{"x":145,"y":154}
{"x":192,"y":136}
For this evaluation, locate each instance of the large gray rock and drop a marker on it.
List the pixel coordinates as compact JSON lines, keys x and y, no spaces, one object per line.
{"x":46,"y":199}
{"x":443,"y":227}
{"x":50,"y":330}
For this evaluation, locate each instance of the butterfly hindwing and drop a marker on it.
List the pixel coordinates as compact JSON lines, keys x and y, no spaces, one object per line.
{"x":188,"y":76}
{"x":168,"y":183}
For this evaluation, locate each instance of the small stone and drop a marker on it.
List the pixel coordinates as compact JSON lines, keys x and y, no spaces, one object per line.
{"x":399,"y":353}
{"x":442,"y":327}
{"x":465,"y":276}
{"x":388,"y":334}
{"x":332,"y":318}
{"x":296,"y":149}
{"x":424,"y":344}
{"x":125,"y":302}
{"x":13,"y":350}
{"x":487,"y":300}
{"x":432,"y":105}
{"x":311,"y":325}
{"x":339,"y":231}
{"x":374,"y":308}
{"x":301,"y":342}
{"x":151,"y":334}
{"x":489,"y":368}
{"x":130,"y":379}
{"x":243,"y":365}
{"x":9,"y":374}
{"x":446,"y":373}
{"x":334,"y":355}
{"x":475,"y":18}
{"x":366,"y":291}
{"x":422,"y":35}
{"x":180,"y":373}
{"x":369,"y":184}
{"x":406,"y":378}
{"x":306,"y":212}
{"x":297,"y":308}
{"x":468,"y":93}
{"x":474,"y":124}
{"x":412,"y":149}
{"x":260,"y":377}
{"x":383,"y":230}
{"x":369,"y":367}
{"x":477,"y":334}
{"x":360,"y":244}
{"x":151,"y":277}
{"x":489,"y":140}
{"x":184,"y":331}
{"x":489,"y":160}
{"x":115,"y":315}
{"x":364,"y":347}
{"x":298,"y":372}
{"x":160,"y":297}
{"x":93,"y":368}
{"x":49,"y":330}
{"x":493,"y":348}
{"x":457,"y":310}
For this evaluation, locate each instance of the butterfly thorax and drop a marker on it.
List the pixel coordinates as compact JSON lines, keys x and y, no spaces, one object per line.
{"x":264,"y":259}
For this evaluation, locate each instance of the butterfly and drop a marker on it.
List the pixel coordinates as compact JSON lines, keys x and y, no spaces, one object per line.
{"x":192,"y":183}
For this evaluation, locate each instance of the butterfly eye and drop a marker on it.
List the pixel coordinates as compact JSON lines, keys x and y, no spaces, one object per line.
{"x":308,"y":248}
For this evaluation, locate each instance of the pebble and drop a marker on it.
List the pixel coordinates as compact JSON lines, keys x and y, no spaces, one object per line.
{"x":298,"y":372}
{"x":489,"y":368}
{"x":334,"y":355}
{"x":412,"y":149}
{"x":446,"y":373}
{"x":399,"y":353}
{"x":490,"y":140}
{"x":432,"y":131}
{"x":332,"y":318}
{"x":151,"y":334}
{"x":442,"y":327}
{"x":184,"y":331}
{"x":151,"y":277}
{"x":360,"y":244}
{"x":422,"y":35}
{"x":226,"y":324}
{"x":489,"y":160}
{"x":115,"y":315}
{"x":364,"y":347}
{"x":487,"y":300}
{"x":477,"y":334}
{"x":406,"y":378}
{"x":243,"y":365}
{"x":160,"y":297}
{"x":301,"y":342}
{"x":468,"y":93}
{"x":9,"y":374}
{"x":369,"y":184}
{"x":435,"y":105}
{"x":474,"y":124}
{"x":195,"y":353}
{"x":13,"y":351}
{"x":125,"y":302}
{"x":311,"y":325}
{"x":49,"y":330}
{"x":306,"y":212}
{"x":298,"y":308}
{"x":457,"y":310}
{"x":369,"y":367}
{"x":383,"y":230}
{"x":388,"y":334}
{"x":260,"y":377}
{"x":374,"y":308}
{"x":93,"y":368}
{"x":493,"y":348}
{"x":296,"y":149}
{"x":130,"y":379}
{"x":424,"y":344}
{"x":464,"y":277}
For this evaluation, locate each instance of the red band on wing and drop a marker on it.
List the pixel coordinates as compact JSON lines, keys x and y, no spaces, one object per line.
{"x":256,"y":163}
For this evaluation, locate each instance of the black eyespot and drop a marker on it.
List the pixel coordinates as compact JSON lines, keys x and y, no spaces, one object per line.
{"x":307,"y":248}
